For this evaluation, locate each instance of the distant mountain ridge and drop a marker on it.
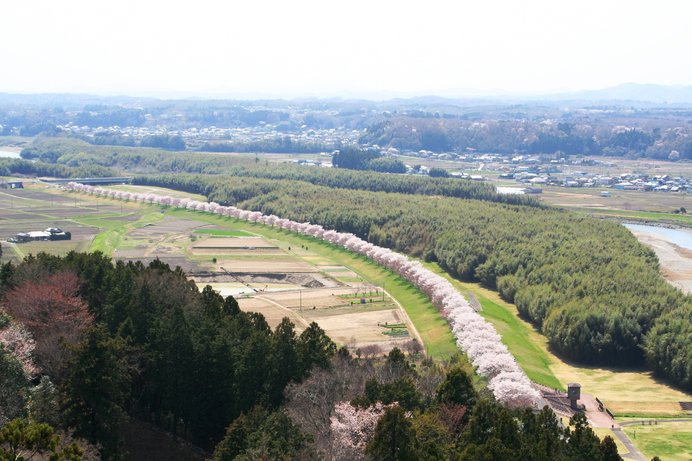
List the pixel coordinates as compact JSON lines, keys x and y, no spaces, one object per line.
{"x":640,"y":93}
{"x":644,"y":92}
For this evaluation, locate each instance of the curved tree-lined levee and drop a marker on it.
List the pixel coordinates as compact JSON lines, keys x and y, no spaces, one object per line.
{"x":474,"y":335}
{"x":587,"y":284}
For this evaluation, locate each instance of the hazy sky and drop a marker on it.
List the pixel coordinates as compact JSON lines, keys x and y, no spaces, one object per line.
{"x":298,"y":47}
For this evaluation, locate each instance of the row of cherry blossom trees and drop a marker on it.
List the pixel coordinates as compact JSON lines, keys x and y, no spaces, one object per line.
{"x":476,"y":337}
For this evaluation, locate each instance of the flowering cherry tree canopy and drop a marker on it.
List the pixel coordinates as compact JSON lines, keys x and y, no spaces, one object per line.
{"x":15,"y":339}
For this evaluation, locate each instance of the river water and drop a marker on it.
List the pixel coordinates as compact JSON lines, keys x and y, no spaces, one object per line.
{"x":680,"y":237}
{"x":7,"y":154}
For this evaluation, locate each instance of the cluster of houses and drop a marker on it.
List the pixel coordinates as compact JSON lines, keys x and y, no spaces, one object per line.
{"x":197,"y":136}
{"x":52,"y":233}
{"x":638,"y":182}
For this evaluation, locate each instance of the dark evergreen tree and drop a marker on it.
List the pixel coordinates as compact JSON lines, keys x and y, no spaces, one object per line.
{"x":95,"y":391}
{"x":394,"y":438}
{"x":609,"y":451}
{"x":457,"y":389}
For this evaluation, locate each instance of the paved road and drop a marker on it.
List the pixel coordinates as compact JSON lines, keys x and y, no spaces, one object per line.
{"x":632,"y":452}
{"x":656,"y":421}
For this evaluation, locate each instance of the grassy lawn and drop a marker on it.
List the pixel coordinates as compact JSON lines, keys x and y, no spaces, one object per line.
{"x":669,"y":441}
{"x":434,"y":330}
{"x":112,"y":232}
{"x":157,"y":190}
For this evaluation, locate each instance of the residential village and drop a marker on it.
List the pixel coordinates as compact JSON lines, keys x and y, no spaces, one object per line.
{"x":195,"y":137}
{"x":536,"y":171}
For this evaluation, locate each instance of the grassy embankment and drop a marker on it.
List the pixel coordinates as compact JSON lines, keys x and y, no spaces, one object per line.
{"x":517,"y":335}
{"x":626,"y":392}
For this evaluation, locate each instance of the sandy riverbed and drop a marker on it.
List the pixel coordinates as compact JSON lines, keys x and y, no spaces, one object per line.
{"x":676,"y":262}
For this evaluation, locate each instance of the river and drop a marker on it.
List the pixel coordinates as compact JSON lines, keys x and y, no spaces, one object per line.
{"x":674,"y":250}
{"x":8,"y":154}
{"x":679,"y":237}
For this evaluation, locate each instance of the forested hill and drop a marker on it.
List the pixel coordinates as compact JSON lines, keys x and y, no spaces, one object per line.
{"x":646,"y":135}
{"x":592,"y":289}
{"x":123,"y":340}
{"x":90,"y":350}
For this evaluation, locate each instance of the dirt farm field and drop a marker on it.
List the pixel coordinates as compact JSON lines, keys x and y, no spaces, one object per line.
{"x":31,"y":209}
{"x":345,"y":320}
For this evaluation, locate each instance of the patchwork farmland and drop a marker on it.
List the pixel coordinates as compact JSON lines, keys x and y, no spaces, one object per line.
{"x":269,"y":276}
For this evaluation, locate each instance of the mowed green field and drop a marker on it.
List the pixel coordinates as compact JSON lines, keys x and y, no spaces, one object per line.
{"x":667,"y":440}
{"x":158,"y":190}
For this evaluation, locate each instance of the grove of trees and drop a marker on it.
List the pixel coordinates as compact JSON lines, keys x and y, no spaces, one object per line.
{"x":119,"y":341}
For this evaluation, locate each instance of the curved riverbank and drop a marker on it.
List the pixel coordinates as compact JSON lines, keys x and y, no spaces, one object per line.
{"x":675,"y":260}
